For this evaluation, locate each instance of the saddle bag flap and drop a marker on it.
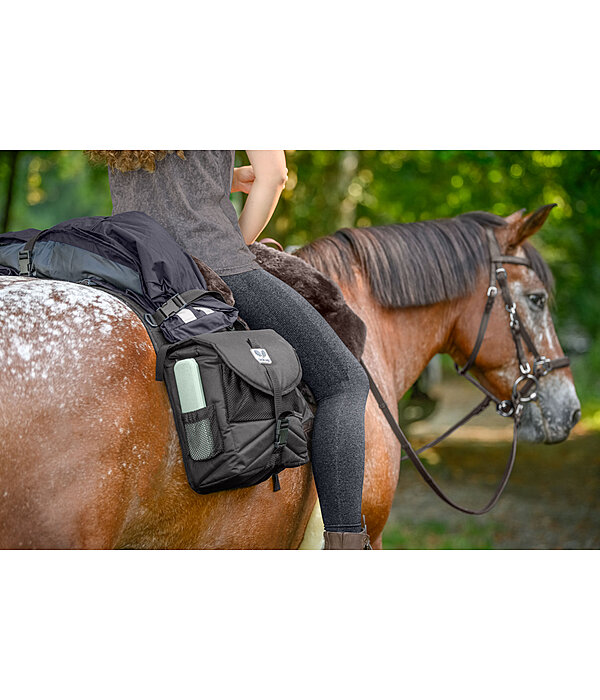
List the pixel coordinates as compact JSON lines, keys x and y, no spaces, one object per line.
{"x":269,"y":348}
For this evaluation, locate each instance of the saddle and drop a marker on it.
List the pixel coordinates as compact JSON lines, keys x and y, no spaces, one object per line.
{"x":318,"y":289}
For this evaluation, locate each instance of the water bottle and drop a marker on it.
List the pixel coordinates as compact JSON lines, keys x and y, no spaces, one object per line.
{"x":191,"y":398}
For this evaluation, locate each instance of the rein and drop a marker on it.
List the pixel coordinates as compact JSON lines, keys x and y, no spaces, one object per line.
{"x":524,"y":387}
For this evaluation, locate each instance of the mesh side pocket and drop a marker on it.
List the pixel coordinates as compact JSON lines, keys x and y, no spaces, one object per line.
{"x":202,"y":433}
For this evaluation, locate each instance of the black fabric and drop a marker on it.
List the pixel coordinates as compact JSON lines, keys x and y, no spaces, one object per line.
{"x":232,"y":443}
{"x":129,"y":253}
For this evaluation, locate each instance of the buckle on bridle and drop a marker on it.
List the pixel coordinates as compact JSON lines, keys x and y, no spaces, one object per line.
{"x":492,"y":291}
{"x":505,"y":408}
{"x":542,"y":366}
{"x":525,"y":369}
{"x":513,"y":320}
{"x":519,"y":398}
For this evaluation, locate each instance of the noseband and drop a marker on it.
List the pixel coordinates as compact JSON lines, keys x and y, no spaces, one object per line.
{"x":525,"y":386}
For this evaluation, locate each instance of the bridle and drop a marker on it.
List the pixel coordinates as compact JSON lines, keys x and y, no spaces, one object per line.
{"x":528,"y":376}
{"x":525,"y":386}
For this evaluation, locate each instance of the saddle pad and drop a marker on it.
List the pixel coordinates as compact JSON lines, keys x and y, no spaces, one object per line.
{"x":318,"y":289}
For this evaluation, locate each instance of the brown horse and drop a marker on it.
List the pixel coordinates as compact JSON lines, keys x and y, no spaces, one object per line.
{"x":89,"y":452}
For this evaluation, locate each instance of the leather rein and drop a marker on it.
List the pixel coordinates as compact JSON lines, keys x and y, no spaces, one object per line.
{"x":524,"y":388}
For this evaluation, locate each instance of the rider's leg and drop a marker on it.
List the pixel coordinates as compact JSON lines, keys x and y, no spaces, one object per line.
{"x":337,"y":380}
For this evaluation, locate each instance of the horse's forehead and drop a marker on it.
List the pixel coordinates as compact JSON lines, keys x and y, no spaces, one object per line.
{"x":520,"y":273}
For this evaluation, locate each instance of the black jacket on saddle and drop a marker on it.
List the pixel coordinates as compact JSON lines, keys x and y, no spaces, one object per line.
{"x":130,"y":253}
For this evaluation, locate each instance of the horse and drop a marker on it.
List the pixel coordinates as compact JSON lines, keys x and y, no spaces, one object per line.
{"x":90,"y":456}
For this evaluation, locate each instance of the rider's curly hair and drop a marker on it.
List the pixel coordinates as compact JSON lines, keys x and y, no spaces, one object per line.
{"x":130,"y":160}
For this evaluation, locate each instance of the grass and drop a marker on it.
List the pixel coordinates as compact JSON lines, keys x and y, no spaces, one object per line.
{"x":433,"y":534}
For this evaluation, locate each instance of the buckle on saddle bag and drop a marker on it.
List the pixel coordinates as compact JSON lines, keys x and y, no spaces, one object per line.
{"x":281,"y":431}
{"x":168,"y":309}
{"x":24,"y":262}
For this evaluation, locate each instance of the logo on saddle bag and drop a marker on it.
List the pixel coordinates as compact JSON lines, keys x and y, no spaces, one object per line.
{"x":261,"y":355}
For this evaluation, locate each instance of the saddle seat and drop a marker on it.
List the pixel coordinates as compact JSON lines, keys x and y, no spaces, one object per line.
{"x":318,"y":289}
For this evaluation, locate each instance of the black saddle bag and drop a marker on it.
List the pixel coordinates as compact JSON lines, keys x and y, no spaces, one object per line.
{"x":255,"y":421}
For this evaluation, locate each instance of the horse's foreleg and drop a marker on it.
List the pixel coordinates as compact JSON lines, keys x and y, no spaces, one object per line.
{"x":382,"y":466}
{"x":377,"y":543}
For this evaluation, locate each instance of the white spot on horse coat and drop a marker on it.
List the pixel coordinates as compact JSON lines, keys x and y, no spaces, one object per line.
{"x":54,"y":331}
{"x":24,"y":351}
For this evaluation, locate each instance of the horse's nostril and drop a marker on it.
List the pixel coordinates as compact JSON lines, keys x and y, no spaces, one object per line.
{"x":575,"y":416}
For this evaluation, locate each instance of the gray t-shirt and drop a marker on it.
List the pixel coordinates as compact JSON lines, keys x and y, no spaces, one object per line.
{"x":190,"y":199}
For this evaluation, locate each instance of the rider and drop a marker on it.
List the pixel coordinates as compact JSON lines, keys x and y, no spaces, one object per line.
{"x":187,"y":192}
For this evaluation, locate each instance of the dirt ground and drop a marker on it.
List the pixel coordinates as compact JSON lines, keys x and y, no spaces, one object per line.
{"x":551,"y":502}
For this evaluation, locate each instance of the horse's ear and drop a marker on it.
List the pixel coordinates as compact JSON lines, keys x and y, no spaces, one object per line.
{"x":519,"y":227}
{"x":516,"y":217}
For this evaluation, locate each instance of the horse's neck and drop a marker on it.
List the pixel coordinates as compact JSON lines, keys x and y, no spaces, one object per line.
{"x":400,"y":342}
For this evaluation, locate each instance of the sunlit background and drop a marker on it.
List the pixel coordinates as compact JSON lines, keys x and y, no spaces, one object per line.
{"x":552,"y":499}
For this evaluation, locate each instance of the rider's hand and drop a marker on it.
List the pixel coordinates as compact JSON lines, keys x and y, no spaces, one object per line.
{"x":243,"y":179}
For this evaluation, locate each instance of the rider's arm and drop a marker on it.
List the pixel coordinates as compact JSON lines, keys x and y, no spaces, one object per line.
{"x":243,"y":178}
{"x":270,"y":175}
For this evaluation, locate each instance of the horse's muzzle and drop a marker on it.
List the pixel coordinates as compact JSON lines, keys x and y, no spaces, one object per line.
{"x":552,"y":417}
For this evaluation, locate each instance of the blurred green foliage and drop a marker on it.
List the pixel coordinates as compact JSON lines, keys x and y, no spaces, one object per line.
{"x":435,"y":534}
{"x":330,"y":189}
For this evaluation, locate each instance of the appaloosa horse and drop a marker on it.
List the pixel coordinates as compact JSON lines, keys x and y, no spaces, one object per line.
{"x":89,"y":454}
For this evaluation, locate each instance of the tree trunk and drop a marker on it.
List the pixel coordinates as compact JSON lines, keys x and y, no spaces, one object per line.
{"x":12,"y":165}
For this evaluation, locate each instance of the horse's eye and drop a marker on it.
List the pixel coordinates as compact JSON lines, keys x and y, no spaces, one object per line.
{"x":538,"y":301}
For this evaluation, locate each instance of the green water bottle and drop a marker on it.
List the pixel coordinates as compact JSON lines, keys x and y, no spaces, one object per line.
{"x":191,"y":398}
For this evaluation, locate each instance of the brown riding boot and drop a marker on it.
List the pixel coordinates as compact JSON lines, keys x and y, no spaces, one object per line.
{"x":347,"y":540}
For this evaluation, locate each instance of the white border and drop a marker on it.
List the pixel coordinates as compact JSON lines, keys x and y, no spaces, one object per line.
{"x":330,"y":74}
{"x":333,"y":74}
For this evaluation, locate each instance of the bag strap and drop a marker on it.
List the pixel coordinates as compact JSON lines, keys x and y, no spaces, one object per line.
{"x":281,"y":426}
{"x":282,"y":420}
{"x":25,"y":255}
{"x":178,"y":302}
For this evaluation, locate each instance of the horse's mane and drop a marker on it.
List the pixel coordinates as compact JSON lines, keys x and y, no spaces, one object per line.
{"x":415,"y":264}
